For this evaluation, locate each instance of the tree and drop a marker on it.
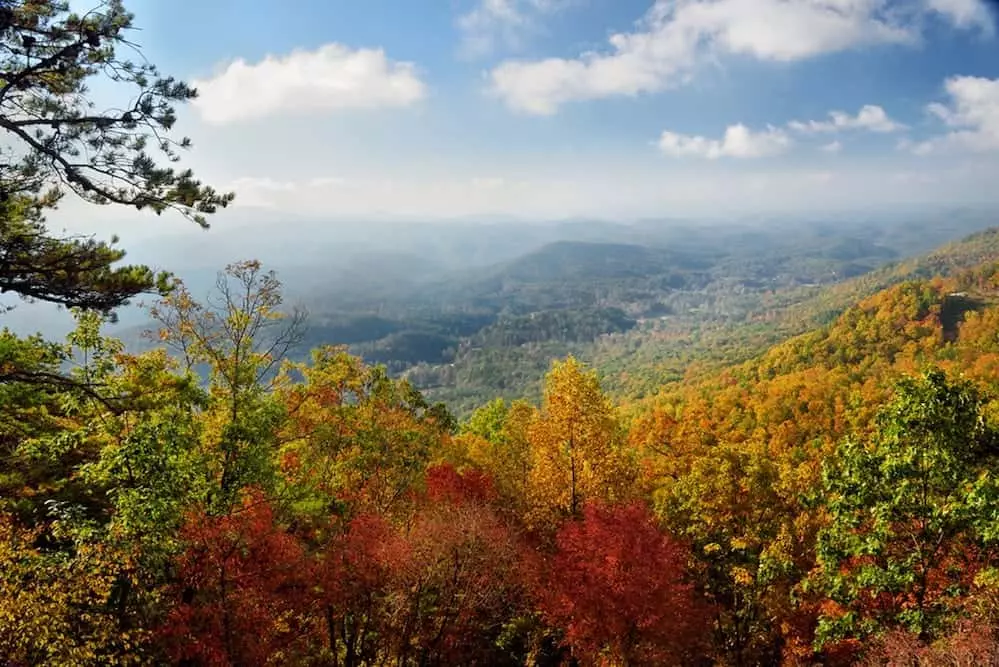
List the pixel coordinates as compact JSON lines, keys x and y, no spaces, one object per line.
{"x":495,"y":439}
{"x":913,"y":512}
{"x":59,"y":143}
{"x":574,"y":445}
{"x":97,"y":476}
{"x":352,"y":575}
{"x":434,"y":588}
{"x":74,"y":397}
{"x":242,"y":584}
{"x":239,"y":337}
{"x":968,"y":644}
{"x":34,"y":413}
{"x":488,"y":421}
{"x":241,"y":332}
{"x":354,"y":435}
{"x":458,"y":585}
{"x":54,"y":604}
{"x":617,"y":586}
{"x":728,"y":504}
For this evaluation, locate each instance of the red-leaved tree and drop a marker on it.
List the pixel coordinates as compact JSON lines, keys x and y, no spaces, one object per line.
{"x":969,"y":643}
{"x":432,"y":588}
{"x":617,"y":587}
{"x":447,"y":485}
{"x":459,"y":583}
{"x":241,"y":582}
{"x":352,"y":576}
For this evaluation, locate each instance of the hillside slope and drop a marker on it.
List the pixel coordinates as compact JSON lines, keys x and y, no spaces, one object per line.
{"x":799,"y":392}
{"x":654,"y":306}
{"x":640,"y":314}
{"x":636,"y":364}
{"x":737,"y":458}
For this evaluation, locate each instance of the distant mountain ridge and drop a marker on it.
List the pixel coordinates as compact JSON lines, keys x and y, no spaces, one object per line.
{"x":587,"y":260}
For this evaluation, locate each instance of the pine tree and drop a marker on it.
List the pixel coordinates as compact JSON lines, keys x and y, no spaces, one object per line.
{"x":57,"y":143}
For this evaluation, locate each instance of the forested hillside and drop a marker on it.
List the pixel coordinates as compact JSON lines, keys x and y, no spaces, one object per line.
{"x":640,"y":362}
{"x":829,"y":500}
{"x":643,"y":316}
{"x":467,"y":315}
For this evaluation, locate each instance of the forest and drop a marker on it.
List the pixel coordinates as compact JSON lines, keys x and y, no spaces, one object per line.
{"x":832,"y":501}
{"x":812,"y":482}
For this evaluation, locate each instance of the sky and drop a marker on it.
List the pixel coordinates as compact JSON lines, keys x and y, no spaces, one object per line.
{"x":617,"y":109}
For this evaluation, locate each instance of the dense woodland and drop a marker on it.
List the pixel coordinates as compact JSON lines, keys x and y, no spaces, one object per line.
{"x":833,"y":500}
{"x":813,"y":483}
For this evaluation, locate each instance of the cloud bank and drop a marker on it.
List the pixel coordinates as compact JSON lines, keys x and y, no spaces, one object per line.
{"x":972,"y":114}
{"x":333,"y":77}
{"x":677,"y":36}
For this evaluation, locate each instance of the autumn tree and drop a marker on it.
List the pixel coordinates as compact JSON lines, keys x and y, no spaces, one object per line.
{"x":575,"y":445}
{"x":351,"y":614}
{"x":968,"y":644}
{"x":727,"y":501}
{"x":56,"y":605}
{"x":913,"y":508}
{"x":242,"y":581}
{"x":619,"y":589}
{"x":107,"y":467}
{"x":496,"y":439}
{"x":238,"y":337}
{"x":58,"y":143}
{"x":353,"y":435}
{"x":459,"y":583}
{"x":434,"y":587}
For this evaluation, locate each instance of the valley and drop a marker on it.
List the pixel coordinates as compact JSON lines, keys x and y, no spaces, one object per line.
{"x":645,"y":303}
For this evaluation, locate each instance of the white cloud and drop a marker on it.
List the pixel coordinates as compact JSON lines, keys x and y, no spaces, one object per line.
{"x":329,"y":78}
{"x":964,"y":13}
{"x":676,"y":36}
{"x":738,"y":142}
{"x":832,"y":147}
{"x":870,"y":117}
{"x":973,"y":115}
{"x":491,"y":24}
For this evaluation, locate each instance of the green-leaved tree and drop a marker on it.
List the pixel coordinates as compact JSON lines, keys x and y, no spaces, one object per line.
{"x":914,"y":509}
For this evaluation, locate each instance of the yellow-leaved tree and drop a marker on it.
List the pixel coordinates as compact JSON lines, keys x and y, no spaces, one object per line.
{"x":495,"y":440}
{"x":354,"y":435}
{"x":57,"y":607}
{"x":576,"y":452}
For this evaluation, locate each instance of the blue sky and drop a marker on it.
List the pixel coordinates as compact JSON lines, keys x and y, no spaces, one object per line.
{"x":352,"y":109}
